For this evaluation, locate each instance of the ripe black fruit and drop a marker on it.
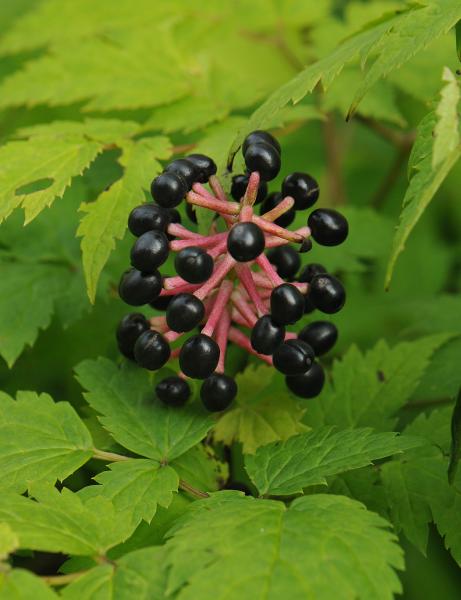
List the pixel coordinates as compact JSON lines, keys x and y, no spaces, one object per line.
{"x":128,"y":331}
{"x":239,"y":186}
{"x":173,"y":391}
{"x":263,"y":158}
{"x":287,"y":304}
{"x":255,"y":137}
{"x":205,"y":166}
{"x":309,"y":384}
{"x":151,"y":350}
{"x":199,"y":356}
{"x":185,"y":168}
{"x":293,"y":357}
{"x":266,"y":335}
{"x":184,"y":312}
{"x":302,"y":188}
{"x":194,"y":264}
{"x":327,"y":293}
{"x":150,"y":250}
{"x":161,"y":303}
{"x":245,"y":242}
{"x":138,"y":288}
{"x":321,"y":335}
{"x":271,"y":202}
{"x":328,"y":226}
{"x":190,"y":212}
{"x":147,"y":217}
{"x":217,"y":392}
{"x":168,"y":189}
{"x":310,"y":271}
{"x":286,"y":260}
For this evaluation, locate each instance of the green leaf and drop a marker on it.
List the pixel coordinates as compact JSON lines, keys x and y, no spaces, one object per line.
{"x":458,"y":39}
{"x":446,"y":132}
{"x":285,"y":468}
{"x":136,"y":486}
{"x":369,"y":389}
{"x":19,"y":584}
{"x":265,"y":413}
{"x":200,"y":467}
{"x":105,"y":219}
{"x":53,"y":442}
{"x":455,"y":449}
{"x":64,"y":522}
{"x":254,"y":549}
{"x":134,"y":417}
{"x":8,"y":541}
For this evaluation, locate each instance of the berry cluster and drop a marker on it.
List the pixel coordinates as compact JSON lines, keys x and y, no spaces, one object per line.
{"x":240,"y":276}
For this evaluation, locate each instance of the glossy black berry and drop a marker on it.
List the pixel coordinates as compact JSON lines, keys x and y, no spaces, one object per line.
{"x":267,"y":335}
{"x":204,"y":166}
{"x":293,"y":357}
{"x":194,"y":264}
{"x":271,"y":202}
{"x":150,"y":250}
{"x":245,"y":242}
{"x":286,"y":260}
{"x":239,"y":186}
{"x":321,"y":335}
{"x":310,"y":271}
{"x":174,"y":215}
{"x":263,"y":158}
{"x":146,"y":218}
{"x":168,"y":189}
{"x":185,"y":168}
{"x":287,"y":304}
{"x":190,"y":212}
{"x":128,"y":331}
{"x":173,"y":391}
{"x":184,"y":312}
{"x":328,"y":226}
{"x":327,"y":293}
{"x":151,"y":350}
{"x":258,"y":136}
{"x":309,"y":384}
{"x":136,"y":288}
{"x":199,"y":356}
{"x":217,"y":392}
{"x":302,"y":188}
{"x":308,"y":306}
{"x":161,"y":303}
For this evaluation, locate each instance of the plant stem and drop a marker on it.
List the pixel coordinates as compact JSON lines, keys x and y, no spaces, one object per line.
{"x":221,"y":270}
{"x":222,"y":331}
{"x":239,"y":338}
{"x":225,"y":208}
{"x":252,"y":189}
{"x":219,"y":307}
{"x":246,"y":277}
{"x":391,"y":178}
{"x":279,"y":210}
{"x":186,"y":487}
{"x":204,"y":241}
{"x":58,"y":580}
{"x":333,"y":151}
{"x":396,"y":138}
{"x":269,"y":270}
{"x":109,"y":456}
{"x":244,"y":308}
{"x":278,"y":231}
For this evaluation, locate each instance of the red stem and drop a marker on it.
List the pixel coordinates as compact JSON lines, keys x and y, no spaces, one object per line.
{"x":221,"y":270}
{"x":219,"y":307}
{"x":244,"y":308}
{"x":246,"y":277}
{"x":239,"y":338}
{"x":222,"y":332}
{"x":279,"y":210}
{"x":269,"y":270}
{"x":205,"y":241}
{"x":278,"y":231}
{"x":225,"y":208}
{"x":252,"y":189}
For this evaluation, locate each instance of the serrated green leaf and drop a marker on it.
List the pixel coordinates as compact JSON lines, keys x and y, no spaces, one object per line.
{"x":264,"y":413}
{"x":64,"y":522}
{"x":321,"y":547}
{"x":8,"y":541}
{"x":53,"y":441}
{"x":105,"y":219}
{"x":95,"y":584}
{"x":106,"y":131}
{"x":200,"y":467}
{"x":455,"y":448}
{"x":446,"y":132}
{"x":285,"y":468}
{"x":137,"y":421}
{"x":19,"y":584}
{"x":369,"y":389}
{"x":136,"y":486}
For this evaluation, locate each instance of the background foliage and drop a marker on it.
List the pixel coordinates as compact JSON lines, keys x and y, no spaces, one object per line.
{"x":94,"y":98}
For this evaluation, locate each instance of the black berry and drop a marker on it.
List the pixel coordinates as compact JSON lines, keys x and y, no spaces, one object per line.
{"x":136,"y":288}
{"x":174,"y":215}
{"x":267,"y":335}
{"x":287,"y":304}
{"x":327,"y":293}
{"x":245,"y":242}
{"x":128,"y":331}
{"x":309,"y":384}
{"x":204,"y":166}
{"x":194,"y":264}
{"x":302,"y":188}
{"x":199,"y":356}
{"x":161,"y":303}
{"x":168,"y":189}
{"x":310,"y":271}
{"x":271,"y":202}
{"x":293,"y":357}
{"x":147,"y":217}
{"x":255,"y":137}
{"x":286,"y":260}
{"x":150,"y":250}
{"x":328,"y":226}
{"x":239,"y":186}
{"x":306,"y":246}
{"x":321,"y":335}
{"x":190,"y":212}
{"x":185,"y":168}
{"x":263,"y":158}
{"x":184,"y":312}
{"x":151,"y":350}
{"x":173,"y":391}
{"x":217,"y":392}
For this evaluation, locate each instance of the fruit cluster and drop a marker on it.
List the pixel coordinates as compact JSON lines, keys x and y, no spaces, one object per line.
{"x":240,"y":276}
